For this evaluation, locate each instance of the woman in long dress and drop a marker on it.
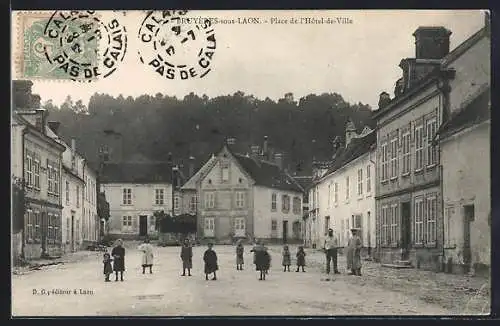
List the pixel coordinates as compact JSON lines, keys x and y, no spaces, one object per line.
{"x":147,"y":256}
{"x":354,"y":253}
{"x":118,"y":254}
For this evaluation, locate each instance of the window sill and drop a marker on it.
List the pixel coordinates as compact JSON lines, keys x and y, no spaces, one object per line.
{"x":273,"y":210}
{"x":384,"y":181}
{"x":125,"y":205}
{"x":418,"y":171}
{"x":405,"y":175}
{"x":450,"y":247}
{"x":368,"y":195}
{"x":360,"y":197}
{"x":392,"y":179}
{"x":430,"y":167}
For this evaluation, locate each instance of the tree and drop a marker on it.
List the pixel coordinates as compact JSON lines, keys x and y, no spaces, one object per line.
{"x":103,"y":206}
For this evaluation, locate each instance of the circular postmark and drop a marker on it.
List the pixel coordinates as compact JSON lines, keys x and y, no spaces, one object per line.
{"x":82,"y":46}
{"x":176,"y":45}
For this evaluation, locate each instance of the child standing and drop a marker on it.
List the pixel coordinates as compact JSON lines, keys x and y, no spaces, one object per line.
{"x":239,"y":256}
{"x":210,"y":259}
{"x":108,"y":269}
{"x":147,"y":256}
{"x":262,"y":262}
{"x":301,"y":258}
{"x":187,"y":257}
{"x":286,"y":258}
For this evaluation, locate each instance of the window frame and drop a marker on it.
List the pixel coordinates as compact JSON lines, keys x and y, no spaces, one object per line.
{"x":210,"y":200}
{"x":274,"y":202}
{"x":127,"y":225}
{"x":126,"y":196}
{"x":360,"y":182}
{"x":368,"y":179}
{"x":418,"y":221}
{"x":347,"y":190}
{"x":431,"y":150}
{"x":394,"y":158}
{"x":431,"y":206}
{"x":406,"y":153}
{"x":159,"y":196}
{"x":336,"y":192}
{"x":285,"y":203}
{"x":419,"y":147}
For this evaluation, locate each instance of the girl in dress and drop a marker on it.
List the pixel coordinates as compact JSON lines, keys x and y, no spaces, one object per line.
{"x":108,"y":269}
{"x":286,"y":258}
{"x":239,"y":256}
{"x":118,"y":254}
{"x":187,"y":257}
{"x":301,"y":258}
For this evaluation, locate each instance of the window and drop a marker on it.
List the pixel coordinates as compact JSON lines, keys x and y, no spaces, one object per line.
{"x":356,"y":221}
{"x":419,"y":148}
{"x":240,"y":199}
{"x":273,"y":202}
{"x":192,"y":204}
{"x":394,"y":158}
{"x":285,"y":203}
{"x":159,"y":197}
{"x":67,"y":192}
{"x":77,"y":231}
{"x":30,"y":225}
{"x":209,"y":200}
{"x":360,"y":182}
{"x":368,"y":178}
{"x":385,"y":162}
{"x":239,"y":227}
{"x":36,"y":173}
{"x":77,"y":196}
{"x":50,"y":228}
{"x":336,"y":192}
{"x":449,"y":217}
{"x":296,"y":205}
{"x":347,"y":188}
{"x":176,"y":202}
{"x":127,"y":196}
{"x":419,"y":221}
{"x":127,"y":223}
{"x":209,"y":227}
{"x":56,"y":181}
{"x":29,"y":169}
{"x":431,"y":149}
{"x":38,"y":229}
{"x":394,"y":224}
{"x":50,"y":178}
{"x":406,"y":153}
{"x":225,"y":173}
{"x":329,"y":193}
{"x":431,"y":211}
{"x":68,"y":230}
{"x":274,"y":225}
{"x":87,"y":186}
{"x":327,"y":224}
{"x":385,"y":235}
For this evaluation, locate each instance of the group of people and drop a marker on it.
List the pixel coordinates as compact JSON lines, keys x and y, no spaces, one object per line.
{"x":115,"y":262}
{"x":353,"y":256}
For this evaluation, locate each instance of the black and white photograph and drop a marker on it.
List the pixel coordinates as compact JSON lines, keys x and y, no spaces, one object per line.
{"x":175,"y":163}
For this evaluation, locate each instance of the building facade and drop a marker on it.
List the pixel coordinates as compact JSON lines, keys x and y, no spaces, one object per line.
{"x":467,"y":198}
{"x":135,"y":191}
{"x":37,"y":158}
{"x":244,"y":196}
{"x":346,"y":191}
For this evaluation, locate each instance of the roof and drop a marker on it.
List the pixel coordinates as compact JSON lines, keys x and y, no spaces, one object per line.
{"x":191,"y":183}
{"x":73,"y":174}
{"x":137,"y":172}
{"x":304,"y":181}
{"x":267,"y":174}
{"x":35,"y":130}
{"x":356,"y":148}
{"x":472,"y":112}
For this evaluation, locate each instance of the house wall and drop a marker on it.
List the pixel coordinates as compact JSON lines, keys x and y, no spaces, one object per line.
{"x":143,"y":203}
{"x":406,"y":187}
{"x":91,"y":221}
{"x":340,"y":212}
{"x":71,"y":213}
{"x":466,"y":181}
{"x":39,"y":201}
{"x":264,"y":215}
{"x":473,"y":69}
{"x":225,"y":210}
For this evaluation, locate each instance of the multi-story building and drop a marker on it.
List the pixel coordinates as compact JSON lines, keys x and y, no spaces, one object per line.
{"x":36,"y":158}
{"x":134,"y":192}
{"x":462,"y":138}
{"x":409,"y":198}
{"x":346,"y":191}
{"x":245,"y":196}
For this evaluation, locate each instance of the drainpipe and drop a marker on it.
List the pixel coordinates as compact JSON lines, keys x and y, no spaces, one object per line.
{"x":84,"y":192}
{"x":23,"y":234}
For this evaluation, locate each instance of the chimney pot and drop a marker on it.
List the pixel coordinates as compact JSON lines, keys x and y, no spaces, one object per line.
{"x":432,"y":42}
{"x":384,"y":99}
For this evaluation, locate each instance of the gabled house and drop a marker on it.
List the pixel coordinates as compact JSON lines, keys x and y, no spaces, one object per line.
{"x":245,"y":196}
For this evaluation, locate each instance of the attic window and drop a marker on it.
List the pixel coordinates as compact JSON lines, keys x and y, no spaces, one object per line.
{"x":240,"y":180}
{"x":225,"y":155}
{"x":209,"y":181}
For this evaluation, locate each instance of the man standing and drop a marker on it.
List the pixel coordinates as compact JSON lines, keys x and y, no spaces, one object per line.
{"x":353,"y":253}
{"x":330,"y":246}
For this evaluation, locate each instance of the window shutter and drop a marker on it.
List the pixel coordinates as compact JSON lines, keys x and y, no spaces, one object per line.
{"x":134,"y":222}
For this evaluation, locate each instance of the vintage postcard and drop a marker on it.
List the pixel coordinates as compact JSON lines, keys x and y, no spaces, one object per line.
{"x":251,"y":163}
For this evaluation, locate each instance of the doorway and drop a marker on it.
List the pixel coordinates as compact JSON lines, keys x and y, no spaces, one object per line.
{"x":405,"y":230}
{"x":143,"y":225}
{"x":285,"y":231}
{"x":467,"y":253}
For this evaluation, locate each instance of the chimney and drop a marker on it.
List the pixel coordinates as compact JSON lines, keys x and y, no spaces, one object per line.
{"x":73,"y":145}
{"x":54,"y":126}
{"x":350,"y":132}
{"x":41,"y":120}
{"x":191,"y":166}
{"x":384,"y":99}
{"x":265,"y":153}
{"x":278,"y":159}
{"x":431,"y":42}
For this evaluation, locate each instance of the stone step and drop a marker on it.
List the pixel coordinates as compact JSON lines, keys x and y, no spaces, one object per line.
{"x":396,"y":266}
{"x":403,"y":262}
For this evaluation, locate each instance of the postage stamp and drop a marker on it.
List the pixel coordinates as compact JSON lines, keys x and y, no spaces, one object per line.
{"x":177,"y":46}
{"x":68,"y":45}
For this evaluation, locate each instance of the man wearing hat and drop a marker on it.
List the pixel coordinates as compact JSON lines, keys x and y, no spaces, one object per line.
{"x":330,"y":246}
{"x":354,"y":253}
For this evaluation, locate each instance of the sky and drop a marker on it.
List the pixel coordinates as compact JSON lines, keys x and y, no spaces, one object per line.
{"x":358,"y":60}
